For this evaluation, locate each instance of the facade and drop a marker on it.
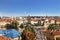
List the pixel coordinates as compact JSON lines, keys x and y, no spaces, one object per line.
{"x":57,"y":37}
{"x":52,"y":34}
{"x":52,"y":21}
{"x":57,"y":21}
{"x":34,"y":21}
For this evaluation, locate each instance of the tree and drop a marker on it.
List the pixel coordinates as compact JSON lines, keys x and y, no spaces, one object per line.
{"x":13,"y":25}
{"x":8,"y":26}
{"x":29,"y":19}
{"x":54,"y":26}
{"x":51,"y":26}
{"x":21,"y":26}
{"x":27,"y":35}
{"x":29,"y":28}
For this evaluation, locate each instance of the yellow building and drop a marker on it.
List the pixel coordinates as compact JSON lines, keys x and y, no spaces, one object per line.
{"x":57,"y":37}
{"x":57,"y":21}
{"x":52,"y":34}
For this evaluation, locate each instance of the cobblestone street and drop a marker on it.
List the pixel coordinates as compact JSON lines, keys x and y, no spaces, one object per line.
{"x":39,"y":35}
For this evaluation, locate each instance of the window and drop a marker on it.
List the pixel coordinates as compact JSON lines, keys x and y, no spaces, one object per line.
{"x":58,"y":38}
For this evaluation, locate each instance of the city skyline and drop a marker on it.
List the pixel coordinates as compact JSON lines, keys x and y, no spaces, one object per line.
{"x":29,"y":7}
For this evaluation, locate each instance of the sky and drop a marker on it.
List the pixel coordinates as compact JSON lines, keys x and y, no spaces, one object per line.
{"x":29,"y":7}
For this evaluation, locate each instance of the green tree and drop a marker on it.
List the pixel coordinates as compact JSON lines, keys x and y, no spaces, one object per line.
{"x":29,"y":28}
{"x":29,"y":19}
{"x":51,"y":26}
{"x":8,"y":26}
{"x":13,"y":25}
{"x":21,"y":26}
{"x":54,"y":26}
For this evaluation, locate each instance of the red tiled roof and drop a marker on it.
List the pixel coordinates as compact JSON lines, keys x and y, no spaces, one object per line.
{"x":57,"y":20}
{"x":54,"y":32}
{"x":46,"y":31}
{"x":50,"y":19}
{"x":4,"y":38}
{"x":6,"y":20}
{"x":35,"y":20}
